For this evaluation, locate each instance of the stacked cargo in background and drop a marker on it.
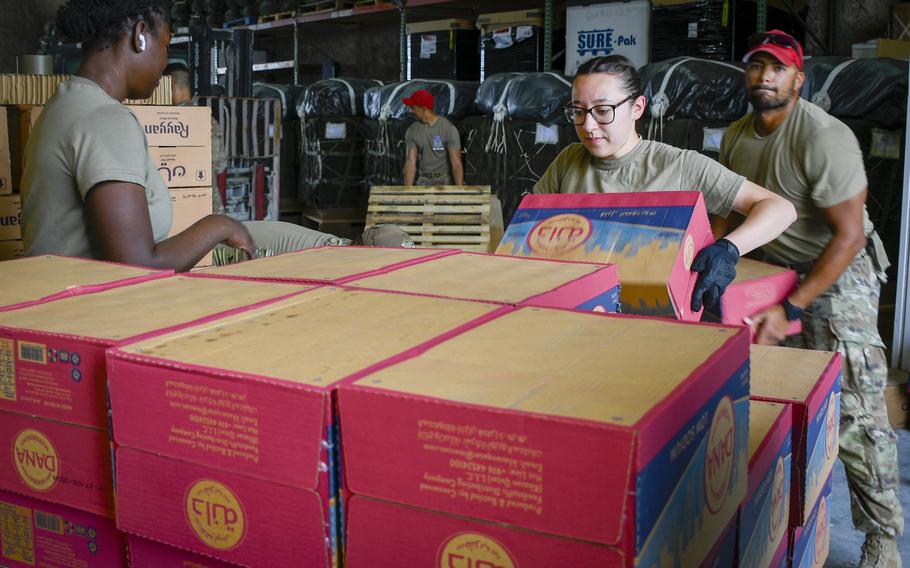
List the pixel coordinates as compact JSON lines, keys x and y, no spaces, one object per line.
{"x":443,"y":49}
{"x":180,"y":145}
{"x":514,"y":42}
{"x":511,"y":464}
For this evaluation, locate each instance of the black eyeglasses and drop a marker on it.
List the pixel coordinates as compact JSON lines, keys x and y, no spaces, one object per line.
{"x":603,"y":114}
{"x":763,"y":38}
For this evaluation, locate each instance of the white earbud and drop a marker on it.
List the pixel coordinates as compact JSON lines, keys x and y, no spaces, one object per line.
{"x":141,"y":42}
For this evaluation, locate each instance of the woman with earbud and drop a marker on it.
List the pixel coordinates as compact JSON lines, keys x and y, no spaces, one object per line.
{"x":612,"y":158}
{"x":89,"y":187}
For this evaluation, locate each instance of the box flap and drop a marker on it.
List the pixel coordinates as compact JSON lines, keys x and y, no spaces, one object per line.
{"x":330,"y":265}
{"x":128,"y":311}
{"x":495,"y":278}
{"x":762,"y":418}
{"x":786,"y":374}
{"x":748,"y":269}
{"x":39,"y":277}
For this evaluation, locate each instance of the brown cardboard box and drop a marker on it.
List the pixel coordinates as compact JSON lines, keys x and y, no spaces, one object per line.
{"x":38,"y":89}
{"x":20,"y":120}
{"x":190,"y":205}
{"x":439,"y":25}
{"x":897,"y":400}
{"x":175,"y":125}
{"x":189,"y":166}
{"x":882,"y":47}
{"x":10,"y":250}
{"x":6,"y":174}
{"x":10,"y":209}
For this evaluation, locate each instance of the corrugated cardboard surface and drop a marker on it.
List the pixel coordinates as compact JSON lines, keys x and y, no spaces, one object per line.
{"x":20,"y":120}
{"x":187,"y":166}
{"x":389,"y":535}
{"x":495,"y":278}
{"x":11,"y":250}
{"x":785,"y":373}
{"x":762,"y":417}
{"x":146,"y":553}
{"x":38,"y":533}
{"x":809,"y":544}
{"x":190,"y":205}
{"x":39,"y":277}
{"x":21,"y":89}
{"x":175,"y":125}
{"x":757,"y":286}
{"x":327,"y":265}
{"x":897,"y":400}
{"x":10,"y":212}
{"x":6,"y":172}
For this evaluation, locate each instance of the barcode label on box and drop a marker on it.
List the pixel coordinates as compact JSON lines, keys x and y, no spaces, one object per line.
{"x":18,"y":538}
{"x":34,"y":352}
{"x":7,"y":370}
{"x":49,"y":522}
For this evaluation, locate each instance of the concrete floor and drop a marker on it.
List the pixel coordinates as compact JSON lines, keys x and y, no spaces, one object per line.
{"x":845,"y":540}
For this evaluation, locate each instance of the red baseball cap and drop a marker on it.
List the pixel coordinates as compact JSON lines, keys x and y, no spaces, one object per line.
{"x":420,"y":97}
{"x":778,"y":44}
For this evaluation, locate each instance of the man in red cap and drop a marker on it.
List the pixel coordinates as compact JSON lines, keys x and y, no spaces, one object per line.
{"x":434,"y":142}
{"x":798,"y":151}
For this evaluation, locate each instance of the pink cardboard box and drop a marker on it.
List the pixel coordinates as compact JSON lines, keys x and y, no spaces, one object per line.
{"x":809,"y":544}
{"x":37,"y":533}
{"x":55,"y":461}
{"x":230,"y":451}
{"x":381,"y":534}
{"x":723,"y":555}
{"x":651,"y":237}
{"x":573,"y":425}
{"x":505,"y":280}
{"x":764,"y":514}
{"x":810,"y":382}
{"x":39,"y":278}
{"x":757,"y":286}
{"x":145,"y":553}
{"x":324,"y":265}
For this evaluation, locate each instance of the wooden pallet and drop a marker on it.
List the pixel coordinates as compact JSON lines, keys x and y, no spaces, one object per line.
{"x":321,"y":6}
{"x":276,"y":17}
{"x":443,"y":216}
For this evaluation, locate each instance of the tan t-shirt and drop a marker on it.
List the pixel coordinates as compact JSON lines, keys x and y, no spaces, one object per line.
{"x":813,"y":160}
{"x":82,"y":138}
{"x":650,"y":166}
{"x":433,"y":144}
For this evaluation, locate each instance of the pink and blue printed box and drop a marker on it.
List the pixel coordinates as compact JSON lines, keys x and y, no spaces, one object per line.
{"x":622,"y":431}
{"x":651,"y":237}
{"x":31,"y":280}
{"x":37,"y":533}
{"x":723,"y":555}
{"x":505,"y":280}
{"x":145,"y":553}
{"x":231,"y":452}
{"x":324,"y":265}
{"x":809,"y":543}
{"x":763,"y":516}
{"x":54,"y":355}
{"x":810,"y":382}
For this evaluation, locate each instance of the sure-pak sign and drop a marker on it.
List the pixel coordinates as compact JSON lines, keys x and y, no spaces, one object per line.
{"x":605,"y":29}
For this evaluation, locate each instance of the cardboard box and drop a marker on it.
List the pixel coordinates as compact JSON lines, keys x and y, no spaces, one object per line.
{"x":58,"y":462}
{"x":566,"y":423}
{"x":764,"y":514}
{"x":36,"y":533}
{"x":505,"y":280}
{"x":190,"y":205}
{"x":145,"y":553}
{"x":651,"y":237}
{"x":757,"y":286}
{"x":439,"y":25}
{"x":724,"y":553}
{"x":10,"y":212}
{"x":809,"y":544}
{"x":175,"y":125}
{"x":897,"y":400}
{"x":23,"y":89}
{"x":41,"y":278}
{"x":20,"y":121}
{"x":11,"y":250}
{"x":881,"y":47}
{"x":187,"y":166}
{"x":6,"y":172}
{"x":623,"y":28}
{"x":246,"y":403}
{"x":324,"y":265}
{"x":54,"y":366}
{"x":385,"y":534}
{"x":810,"y":381}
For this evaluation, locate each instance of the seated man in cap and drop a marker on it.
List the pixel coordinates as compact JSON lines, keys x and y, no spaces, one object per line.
{"x":435,"y":142}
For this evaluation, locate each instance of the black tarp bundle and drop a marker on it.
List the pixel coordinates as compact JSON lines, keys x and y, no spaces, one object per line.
{"x":538,"y":97}
{"x":862,"y":89}
{"x":453,"y":99}
{"x":341,"y":96}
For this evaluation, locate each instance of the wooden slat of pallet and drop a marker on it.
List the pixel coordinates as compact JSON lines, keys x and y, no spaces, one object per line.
{"x":454,"y":189}
{"x":451,"y":239}
{"x":444,"y":229}
{"x":402,"y":219}
{"x":422,"y":198}
{"x":429,"y":208}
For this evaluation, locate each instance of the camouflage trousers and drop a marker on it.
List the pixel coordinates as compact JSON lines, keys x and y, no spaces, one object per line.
{"x":844,"y":319}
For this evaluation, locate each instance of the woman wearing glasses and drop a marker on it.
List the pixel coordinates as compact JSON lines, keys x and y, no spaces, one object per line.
{"x":611,"y":158}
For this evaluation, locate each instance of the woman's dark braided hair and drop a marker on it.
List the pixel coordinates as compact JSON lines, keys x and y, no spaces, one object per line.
{"x":98,"y":24}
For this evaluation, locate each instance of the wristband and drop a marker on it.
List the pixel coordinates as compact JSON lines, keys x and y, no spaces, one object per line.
{"x":793,"y":312}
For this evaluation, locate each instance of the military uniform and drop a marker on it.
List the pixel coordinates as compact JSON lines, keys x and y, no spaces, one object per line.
{"x":814,"y":161}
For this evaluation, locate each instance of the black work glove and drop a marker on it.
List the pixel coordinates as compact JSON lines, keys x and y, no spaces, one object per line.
{"x":716,"y":265}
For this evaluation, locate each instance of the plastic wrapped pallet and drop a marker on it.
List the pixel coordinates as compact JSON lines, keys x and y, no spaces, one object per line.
{"x":444,"y":49}
{"x":454,"y":99}
{"x":335,"y":97}
{"x":525,"y":96}
{"x":867,"y":89}
{"x":332,"y":162}
{"x":384,"y":150}
{"x":703,"y":29}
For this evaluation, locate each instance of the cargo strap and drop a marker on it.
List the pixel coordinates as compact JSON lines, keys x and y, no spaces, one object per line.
{"x":497,"y":141}
{"x":821,"y":99}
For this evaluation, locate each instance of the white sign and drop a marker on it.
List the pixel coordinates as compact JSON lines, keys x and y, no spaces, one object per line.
{"x":605,"y":29}
{"x":427,"y":46}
